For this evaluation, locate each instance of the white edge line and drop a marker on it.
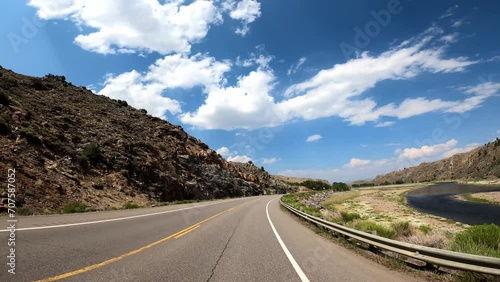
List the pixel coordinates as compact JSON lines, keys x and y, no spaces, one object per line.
{"x":114,"y":219}
{"x":294,"y":263}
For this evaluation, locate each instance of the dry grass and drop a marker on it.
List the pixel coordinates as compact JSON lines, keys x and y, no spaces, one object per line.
{"x":341,"y":197}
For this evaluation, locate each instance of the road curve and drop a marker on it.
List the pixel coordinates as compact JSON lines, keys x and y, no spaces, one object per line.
{"x":250,"y":239}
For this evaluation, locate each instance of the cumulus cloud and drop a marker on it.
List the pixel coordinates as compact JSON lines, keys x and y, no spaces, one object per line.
{"x":466,"y":149}
{"x":223,"y":151}
{"x":232,"y":156}
{"x":239,"y":159}
{"x":246,"y":11}
{"x":357,"y":162}
{"x":427,"y":151}
{"x":128,"y":26}
{"x":246,"y":105}
{"x":337,"y":91}
{"x":173,"y":71}
{"x":314,"y":138}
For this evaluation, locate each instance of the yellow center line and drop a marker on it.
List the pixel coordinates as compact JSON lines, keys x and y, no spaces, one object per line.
{"x":186,"y":232}
{"x":115,"y":259}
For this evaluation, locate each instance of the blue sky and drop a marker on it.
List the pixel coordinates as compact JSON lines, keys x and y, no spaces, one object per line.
{"x":325,"y":89}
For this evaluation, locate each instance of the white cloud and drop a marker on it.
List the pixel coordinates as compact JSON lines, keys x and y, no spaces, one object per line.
{"x":358,"y":169}
{"x":450,"y":38}
{"x":246,"y":11}
{"x":333,"y":92}
{"x":314,"y":138}
{"x":269,"y":161}
{"x":457,"y":23}
{"x":357,"y":162}
{"x":223,"y":151}
{"x":449,"y":12}
{"x":478,"y":94}
{"x":466,"y":149}
{"x":385,"y":124}
{"x":129,"y":87}
{"x":239,"y":159}
{"x":295,"y":67}
{"x":427,"y":151}
{"x":494,"y":59}
{"x":172,"y":71}
{"x":247,"y":105}
{"x":135,"y":25}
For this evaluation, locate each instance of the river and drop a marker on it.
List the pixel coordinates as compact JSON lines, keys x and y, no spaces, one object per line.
{"x":438,"y":200}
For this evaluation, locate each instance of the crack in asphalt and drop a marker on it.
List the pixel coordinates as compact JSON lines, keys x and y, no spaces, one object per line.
{"x":222,"y":253}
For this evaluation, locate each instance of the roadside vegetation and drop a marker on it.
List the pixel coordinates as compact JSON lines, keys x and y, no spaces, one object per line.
{"x":321,"y":185}
{"x":75,"y":207}
{"x":351,"y":209}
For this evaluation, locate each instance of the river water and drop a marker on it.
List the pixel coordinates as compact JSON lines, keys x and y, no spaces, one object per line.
{"x":438,"y":200}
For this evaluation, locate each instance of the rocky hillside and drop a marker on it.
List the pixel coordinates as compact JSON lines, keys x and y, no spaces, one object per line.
{"x":68,"y":144}
{"x":479,"y":164}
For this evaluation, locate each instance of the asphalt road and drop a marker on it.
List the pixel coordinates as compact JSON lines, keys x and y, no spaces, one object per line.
{"x":249,"y":239}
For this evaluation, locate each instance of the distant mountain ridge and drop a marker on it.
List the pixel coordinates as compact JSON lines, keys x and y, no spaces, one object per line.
{"x":482,"y":163}
{"x":68,"y":144}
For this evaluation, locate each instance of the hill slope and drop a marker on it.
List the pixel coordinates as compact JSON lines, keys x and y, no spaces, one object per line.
{"x":478,"y":164}
{"x":69,"y":144}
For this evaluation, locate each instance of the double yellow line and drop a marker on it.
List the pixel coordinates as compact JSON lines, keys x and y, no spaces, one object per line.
{"x":115,"y":259}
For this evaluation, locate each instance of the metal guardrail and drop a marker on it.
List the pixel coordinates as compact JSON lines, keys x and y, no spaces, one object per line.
{"x":450,"y":259}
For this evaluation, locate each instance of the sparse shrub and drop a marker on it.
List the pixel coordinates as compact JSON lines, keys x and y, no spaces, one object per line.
{"x":349,"y":216}
{"x":402,"y":228}
{"x":434,"y":240}
{"x":479,"y":240}
{"x":24,"y":211}
{"x":91,"y":152}
{"x":131,"y":205}
{"x":426,"y":229}
{"x":75,"y":207}
{"x":27,"y":132}
{"x":124,"y":172}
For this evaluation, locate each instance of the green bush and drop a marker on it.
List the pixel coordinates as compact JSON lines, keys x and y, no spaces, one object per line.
{"x":340,"y":186}
{"x":348,"y":216}
{"x":131,"y":205}
{"x":479,"y":240}
{"x":294,"y":201}
{"x":75,"y":207}
{"x":24,"y":211}
{"x":426,"y":229}
{"x":370,"y":226}
{"x":402,"y":228}
{"x":91,"y":152}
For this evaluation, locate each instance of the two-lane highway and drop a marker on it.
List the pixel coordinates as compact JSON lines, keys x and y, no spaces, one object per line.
{"x":248,"y":239}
